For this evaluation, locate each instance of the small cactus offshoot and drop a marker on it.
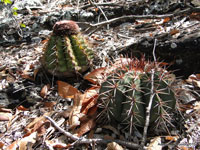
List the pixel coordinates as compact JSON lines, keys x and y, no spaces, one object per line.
{"x":66,"y":52}
{"x":125,"y":94}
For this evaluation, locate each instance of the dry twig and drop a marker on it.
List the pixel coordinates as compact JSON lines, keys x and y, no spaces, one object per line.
{"x":188,"y":10}
{"x":152,"y":94}
{"x":82,"y":140}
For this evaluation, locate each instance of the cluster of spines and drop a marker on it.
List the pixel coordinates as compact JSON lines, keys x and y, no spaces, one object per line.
{"x":125,"y":94}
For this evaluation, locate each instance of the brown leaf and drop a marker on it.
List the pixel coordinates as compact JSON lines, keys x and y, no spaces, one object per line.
{"x":86,"y":126}
{"x":114,"y":146}
{"x":90,"y":99}
{"x":155,"y":144}
{"x":167,"y":19}
{"x":5,"y":116}
{"x":22,"y":108}
{"x":35,"y":73}
{"x":76,"y":114}
{"x":174,"y":31}
{"x":1,"y":145}
{"x":49,"y":104}
{"x":5,"y":110}
{"x":95,"y":75}
{"x":26,"y":72}
{"x":195,"y":16}
{"x":24,"y":143}
{"x":31,"y":127}
{"x":44,"y":91}
{"x":171,"y":138}
{"x":65,"y":90}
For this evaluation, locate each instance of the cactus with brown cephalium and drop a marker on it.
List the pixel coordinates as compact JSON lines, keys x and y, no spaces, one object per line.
{"x":66,"y":52}
{"x":125,"y":94}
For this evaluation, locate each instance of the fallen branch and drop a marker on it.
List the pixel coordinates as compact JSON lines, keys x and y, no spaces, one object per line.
{"x":152,"y":94}
{"x":82,"y":140}
{"x":188,"y":10}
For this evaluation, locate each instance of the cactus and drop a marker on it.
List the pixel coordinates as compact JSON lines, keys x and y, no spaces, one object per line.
{"x":66,"y":51}
{"x":125,"y":94}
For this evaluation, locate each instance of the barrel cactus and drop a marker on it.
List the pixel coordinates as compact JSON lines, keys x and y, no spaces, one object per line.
{"x":125,"y":94}
{"x":66,"y":52}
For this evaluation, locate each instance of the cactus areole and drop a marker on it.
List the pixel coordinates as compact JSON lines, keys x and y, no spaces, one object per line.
{"x":125,"y":95}
{"x":66,"y":52}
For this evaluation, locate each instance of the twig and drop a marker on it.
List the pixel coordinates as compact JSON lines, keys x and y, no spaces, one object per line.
{"x":154,"y":49}
{"x":83,"y":140}
{"x":152,"y":94}
{"x":189,"y":10}
{"x":101,"y":11}
{"x":99,"y":4}
{"x":120,"y":3}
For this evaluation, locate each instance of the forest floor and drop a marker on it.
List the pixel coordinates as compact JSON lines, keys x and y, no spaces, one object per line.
{"x":36,"y":108}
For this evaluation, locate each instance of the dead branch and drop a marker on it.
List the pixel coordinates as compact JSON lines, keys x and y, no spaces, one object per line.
{"x":152,"y":94}
{"x":82,"y":140}
{"x":186,"y":11}
{"x":120,"y":4}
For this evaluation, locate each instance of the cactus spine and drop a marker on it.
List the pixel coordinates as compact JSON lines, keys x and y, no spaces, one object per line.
{"x":67,"y":51}
{"x":125,"y":94}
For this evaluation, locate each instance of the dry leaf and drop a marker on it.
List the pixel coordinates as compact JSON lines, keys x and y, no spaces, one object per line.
{"x":49,"y":105}
{"x":5,"y":116}
{"x":167,"y":19}
{"x":155,"y":144}
{"x":90,"y":99}
{"x":1,"y":145}
{"x":194,"y":79}
{"x":22,"y":108}
{"x":174,"y":31}
{"x":171,"y":138}
{"x":114,"y":146}
{"x":44,"y":91}
{"x":25,"y":143}
{"x":195,"y":16}
{"x":35,"y":73}
{"x":5,"y":110}
{"x":86,"y":126}
{"x":66,"y":90}
{"x":76,"y":114}
{"x":29,"y":128}
{"x":25,"y":74}
{"x":95,"y":75}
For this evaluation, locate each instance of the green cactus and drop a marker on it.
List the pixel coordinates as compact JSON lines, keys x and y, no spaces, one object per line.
{"x":125,"y":94}
{"x":67,"y":51}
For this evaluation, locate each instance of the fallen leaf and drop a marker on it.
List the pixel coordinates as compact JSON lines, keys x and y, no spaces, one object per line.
{"x":155,"y":144}
{"x":31,"y":127}
{"x":35,"y":73}
{"x":90,"y":99}
{"x":24,"y":143}
{"x":171,"y":138}
{"x":44,"y":91}
{"x":5,"y":110}
{"x":49,"y":105}
{"x":195,"y":16}
{"x":85,"y":126}
{"x":76,"y":114}
{"x":5,"y":116}
{"x":114,"y":146}
{"x":22,"y":108}
{"x":1,"y":145}
{"x":26,"y":72}
{"x":66,"y":90}
{"x":194,"y":79}
{"x":167,"y":19}
{"x":174,"y":31}
{"x":95,"y":75}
